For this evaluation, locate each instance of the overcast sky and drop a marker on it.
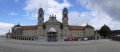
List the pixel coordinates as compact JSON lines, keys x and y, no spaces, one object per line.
{"x":94,"y":12}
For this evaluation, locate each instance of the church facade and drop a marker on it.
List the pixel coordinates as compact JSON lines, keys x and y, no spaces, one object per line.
{"x":51,"y":29}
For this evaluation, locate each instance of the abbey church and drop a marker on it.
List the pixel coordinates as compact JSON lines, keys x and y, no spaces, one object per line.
{"x":52,"y":30}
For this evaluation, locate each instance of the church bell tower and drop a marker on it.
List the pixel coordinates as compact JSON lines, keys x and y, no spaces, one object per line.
{"x":40,"y":16}
{"x":65,"y":16}
{"x":65,"y":23}
{"x":40,"y":30}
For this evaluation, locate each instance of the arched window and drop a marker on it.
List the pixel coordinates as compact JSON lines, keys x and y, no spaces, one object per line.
{"x":40,"y":20}
{"x":65,"y":21}
{"x":65,"y":15}
{"x":40,"y":15}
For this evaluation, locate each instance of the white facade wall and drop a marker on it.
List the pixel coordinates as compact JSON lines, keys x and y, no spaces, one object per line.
{"x":77,"y":33}
{"x":61,"y":32}
{"x":89,"y":31}
{"x":53,"y":22}
{"x":30,"y":32}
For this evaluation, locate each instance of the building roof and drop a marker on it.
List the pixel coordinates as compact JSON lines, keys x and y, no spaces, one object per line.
{"x":65,"y":10}
{"x":70,"y":27}
{"x":76,"y":27}
{"x":29,"y":27}
{"x":88,"y":26}
{"x":40,"y":10}
{"x":17,"y":25}
{"x":52,"y":30}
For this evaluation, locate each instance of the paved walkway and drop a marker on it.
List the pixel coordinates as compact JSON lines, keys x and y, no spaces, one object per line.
{"x":103,"y":46}
{"x":44,"y":43}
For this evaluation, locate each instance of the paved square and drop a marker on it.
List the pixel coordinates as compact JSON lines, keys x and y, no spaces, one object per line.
{"x":108,"y":46}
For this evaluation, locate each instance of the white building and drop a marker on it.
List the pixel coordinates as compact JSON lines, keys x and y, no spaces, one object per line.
{"x":62,"y":29}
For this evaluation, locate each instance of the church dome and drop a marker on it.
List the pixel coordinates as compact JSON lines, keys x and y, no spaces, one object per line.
{"x":40,"y":10}
{"x":65,"y":10}
{"x":52,"y":30}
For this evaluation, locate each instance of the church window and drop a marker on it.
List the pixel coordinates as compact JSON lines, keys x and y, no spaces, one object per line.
{"x":65,"y":15}
{"x":40,"y":15}
{"x":40,"y":21}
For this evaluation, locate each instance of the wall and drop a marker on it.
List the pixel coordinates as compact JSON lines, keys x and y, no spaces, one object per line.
{"x":89,"y":31}
{"x":30,"y":32}
{"x":77,"y":33}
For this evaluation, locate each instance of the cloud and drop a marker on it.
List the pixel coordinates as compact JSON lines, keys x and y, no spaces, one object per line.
{"x":49,"y":7}
{"x":110,"y":7}
{"x":79,"y":18}
{"x":13,"y":14}
{"x":104,"y":12}
{"x":95,"y":19}
{"x":102,"y":18}
{"x":101,"y":12}
{"x":16,"y":1}
{"x":5,"y":27}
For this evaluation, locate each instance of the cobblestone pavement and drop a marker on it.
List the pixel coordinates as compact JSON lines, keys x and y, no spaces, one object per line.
{"x":108,"y":46}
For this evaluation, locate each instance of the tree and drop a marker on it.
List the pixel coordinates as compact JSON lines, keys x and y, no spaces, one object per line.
{"x":105,"y":31}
